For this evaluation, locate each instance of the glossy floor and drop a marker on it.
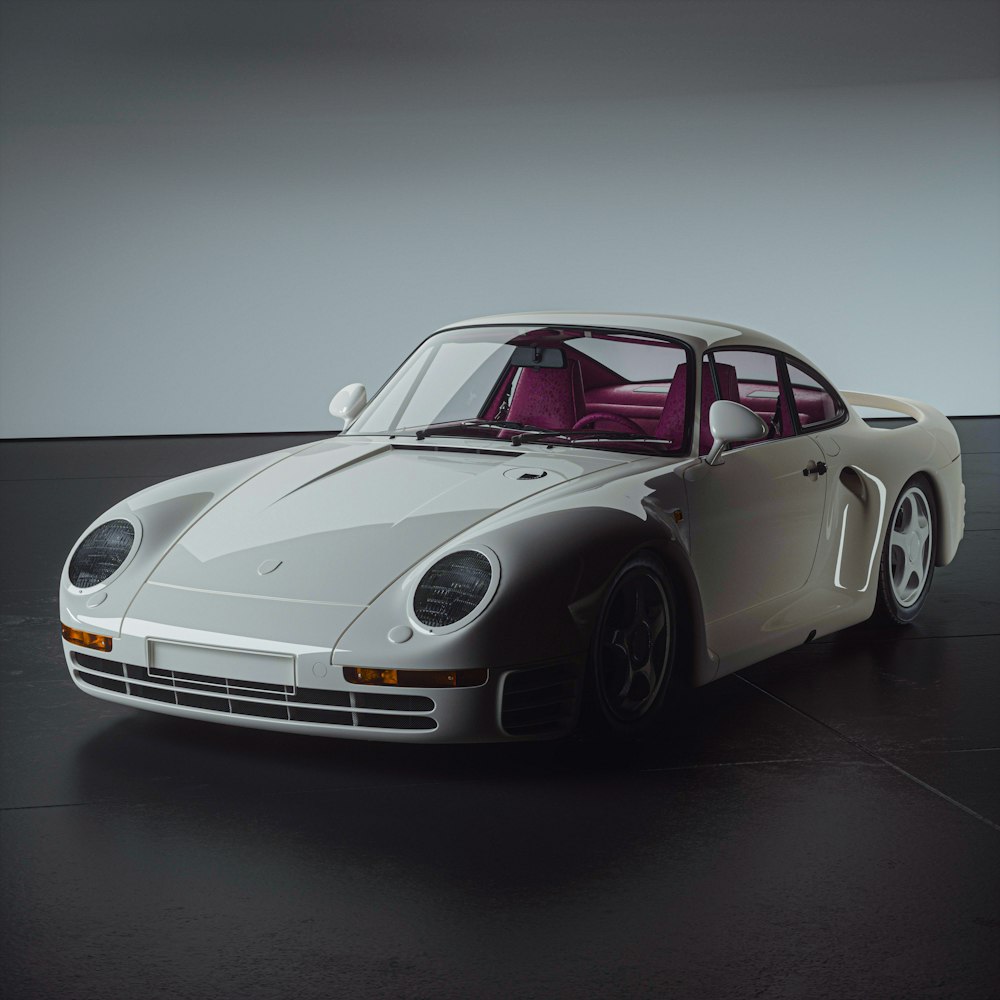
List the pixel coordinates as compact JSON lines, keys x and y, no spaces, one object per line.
{"x":825,"y":824}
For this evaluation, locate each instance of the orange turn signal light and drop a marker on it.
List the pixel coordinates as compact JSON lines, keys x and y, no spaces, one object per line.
{"x":416,"y":678}
{"x":87,"y":639}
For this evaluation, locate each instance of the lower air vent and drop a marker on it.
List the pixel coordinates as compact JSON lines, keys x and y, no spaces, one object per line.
{"x":541,"y":701}
{"x":256,"y":699}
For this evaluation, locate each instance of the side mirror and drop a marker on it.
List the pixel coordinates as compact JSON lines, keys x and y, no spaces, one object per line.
{"x":348,"y":403}
{"x":731,"y":423}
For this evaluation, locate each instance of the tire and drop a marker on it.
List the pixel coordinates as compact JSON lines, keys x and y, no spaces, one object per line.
{"x":908,"y":554}
{"x":632,"y":666}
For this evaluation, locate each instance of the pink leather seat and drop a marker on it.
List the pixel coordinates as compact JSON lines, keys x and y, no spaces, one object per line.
{"x":729,"y":388}
{"x":671,"y":423}
{"x":670,"y":426}
{"x":549,"y":397}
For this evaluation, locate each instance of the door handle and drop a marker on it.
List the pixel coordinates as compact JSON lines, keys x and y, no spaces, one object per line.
{"x":815,"y":469}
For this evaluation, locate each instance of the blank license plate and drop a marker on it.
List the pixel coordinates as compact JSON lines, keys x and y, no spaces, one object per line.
{"x":236,"y":664}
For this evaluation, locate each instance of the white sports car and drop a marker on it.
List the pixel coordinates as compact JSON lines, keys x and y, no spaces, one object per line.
{"x":539,"y":517}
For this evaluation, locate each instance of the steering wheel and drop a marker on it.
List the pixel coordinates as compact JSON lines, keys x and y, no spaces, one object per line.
{"x":592,"y":418}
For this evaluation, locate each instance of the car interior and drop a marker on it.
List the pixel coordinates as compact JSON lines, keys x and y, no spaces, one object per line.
{"x":553,"y":380}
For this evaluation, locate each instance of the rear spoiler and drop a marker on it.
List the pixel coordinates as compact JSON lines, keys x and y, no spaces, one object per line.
{"x":927,"y":416}
{"x":904,"y":407}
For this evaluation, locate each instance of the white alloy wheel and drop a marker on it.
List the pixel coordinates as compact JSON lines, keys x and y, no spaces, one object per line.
{"x":910,"y":546}
{"x":908,"y":555}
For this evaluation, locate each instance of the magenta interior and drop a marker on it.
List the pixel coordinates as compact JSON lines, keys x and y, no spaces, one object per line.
{"x":560,"y":399}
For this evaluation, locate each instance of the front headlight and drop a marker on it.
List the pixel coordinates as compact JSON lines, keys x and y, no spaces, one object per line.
{"x":455,"y":589}
{"x":101,"y":553}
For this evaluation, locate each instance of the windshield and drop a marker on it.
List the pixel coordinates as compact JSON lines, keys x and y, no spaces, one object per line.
{"x":591,"y":388}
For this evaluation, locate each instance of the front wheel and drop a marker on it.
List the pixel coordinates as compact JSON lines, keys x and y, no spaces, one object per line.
{"x":632,"y":654}
{"x":907,"y":566}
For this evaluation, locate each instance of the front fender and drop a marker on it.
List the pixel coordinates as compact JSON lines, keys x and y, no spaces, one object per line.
{"x":164,"y":511}
{"x":556,"y":562}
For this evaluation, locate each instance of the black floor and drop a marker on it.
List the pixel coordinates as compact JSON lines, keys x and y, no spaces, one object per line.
{"x":825,"y":824}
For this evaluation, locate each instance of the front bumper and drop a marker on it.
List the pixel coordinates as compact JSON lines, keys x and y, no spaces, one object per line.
{"x":534,"y":702}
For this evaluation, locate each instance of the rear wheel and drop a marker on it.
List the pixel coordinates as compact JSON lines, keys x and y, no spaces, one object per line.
{"x":907,"y":566}
{"x":632,"y":655}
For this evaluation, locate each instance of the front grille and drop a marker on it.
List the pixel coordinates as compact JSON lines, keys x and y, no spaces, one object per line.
{"x":541,"y":701}
{"x":256,"y":699}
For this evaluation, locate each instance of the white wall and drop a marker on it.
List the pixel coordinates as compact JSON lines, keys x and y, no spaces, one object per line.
{"x":184,"y":273}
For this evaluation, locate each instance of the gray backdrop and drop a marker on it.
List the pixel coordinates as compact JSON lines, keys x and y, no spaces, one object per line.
{"x":215,"y":214}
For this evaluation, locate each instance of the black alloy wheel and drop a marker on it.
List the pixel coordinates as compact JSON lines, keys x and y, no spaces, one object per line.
{"x":632,"y":657}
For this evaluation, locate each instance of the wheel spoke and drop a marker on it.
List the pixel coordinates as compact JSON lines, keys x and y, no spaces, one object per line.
{"x":648,"y":674}
{"x":623,"y":692}
{"x":656,"y":622}
{"x":922,"y":529}
{"x":616,"y":639}
{"x":617,"y":675}
{"x":910,"y":547}
{"x":639,"y":689}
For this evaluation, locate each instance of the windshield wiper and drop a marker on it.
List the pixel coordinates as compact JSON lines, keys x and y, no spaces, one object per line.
{"x":528,"y":433}
{"x":451,"y":425}
{"x":587,"y":436}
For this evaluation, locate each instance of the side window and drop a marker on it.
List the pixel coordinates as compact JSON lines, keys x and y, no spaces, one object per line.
{"x":750,"y":378}
{"x":815,"y":402}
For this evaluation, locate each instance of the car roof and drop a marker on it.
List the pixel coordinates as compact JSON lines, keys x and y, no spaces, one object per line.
{"x":698,"y":332}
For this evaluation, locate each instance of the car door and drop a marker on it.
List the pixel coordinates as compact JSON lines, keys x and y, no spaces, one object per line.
{"x":755,"y":523}
{"x":757,"y":515}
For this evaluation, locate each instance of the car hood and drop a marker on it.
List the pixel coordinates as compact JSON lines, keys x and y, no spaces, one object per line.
{"x":338,"y":522}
